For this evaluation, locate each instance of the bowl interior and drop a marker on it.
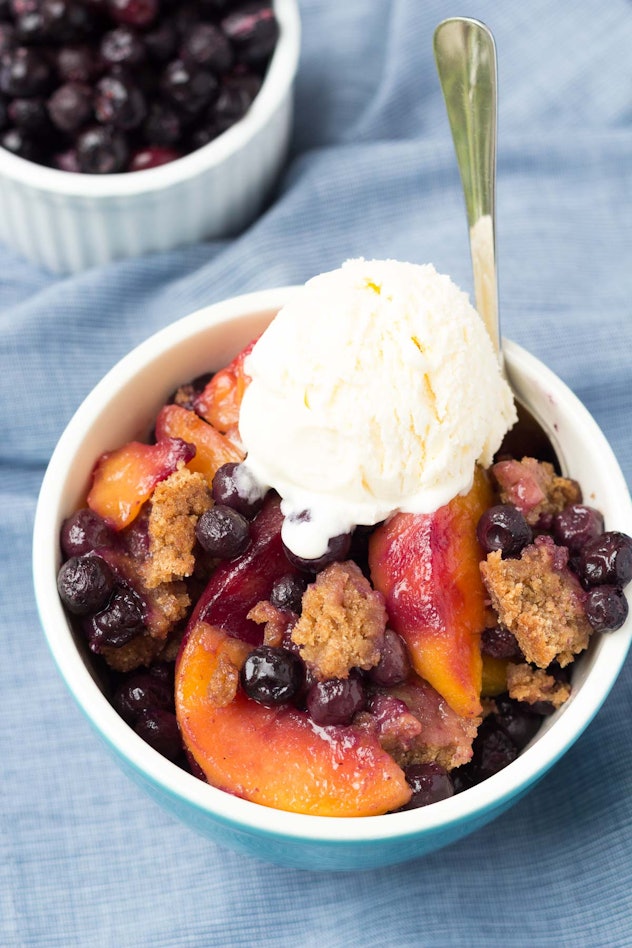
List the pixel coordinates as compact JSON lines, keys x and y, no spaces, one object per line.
{"x":122,"y":407}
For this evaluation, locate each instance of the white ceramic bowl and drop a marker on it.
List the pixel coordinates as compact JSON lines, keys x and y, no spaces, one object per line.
{"x":122,"y":407}
{"x":68,"y":222}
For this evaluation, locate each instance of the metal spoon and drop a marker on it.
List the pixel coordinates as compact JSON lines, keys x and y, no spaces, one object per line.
{"x":465,"y":54}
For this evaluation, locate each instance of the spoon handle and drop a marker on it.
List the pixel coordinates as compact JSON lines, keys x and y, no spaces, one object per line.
{"x":465,"y":55}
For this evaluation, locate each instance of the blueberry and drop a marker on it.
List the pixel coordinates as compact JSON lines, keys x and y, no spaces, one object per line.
{"x":518,"y":722}
{"x":162,"y":125}
{"x":120,"y":622}
{"x":574,"y":526}
{"x":30,"y":28}
{"x":29,"y":114}
{"x":205,"y":45}
{"x":462,"y":778}
{"x":78,"y":63}
{"x":190,"y":88}
{"x":503,"y":528}
{"x":163,"y":671}
{"x":142,"y":691}
{"x":70,"y":106}
{"x":17,"y":8}
{"x":7,"y":37}
{"x":429,"y":783}
{"x":394,"y":664}
{"x":500,"y":643}
{"x":152,"y":157}
{"x":122,"y":47}
{"x":159,"y":729}
{"x":253,"y":30}
{"x":85,"y":583}
{"x":119,"y":102}
{"x":234,"y":487}
{"x":542,"y":708}
{"x":161,"y":41}
{"x":64,"y":21}
{"x":607,"y":560}
{"x":101,"y":150}
{"x":223,"y":532}
{"x":606,"y":608}
{"x":493,"y":750}
{"x":66,"y":161}
{"x":231,"y":104}
{"x":139,"y":13}
{"x":335,"y":700}
{"x":202,"y":133}
{"x":287,"y":593}
{"x":19,"y":142}
{"x":271,"y":676}
{"x":23,"y":72}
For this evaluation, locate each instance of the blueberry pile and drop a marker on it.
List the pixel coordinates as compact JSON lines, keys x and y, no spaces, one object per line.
{"x":145,"y":700}
{"x":110,"y":611}
{"x":105,"y":86}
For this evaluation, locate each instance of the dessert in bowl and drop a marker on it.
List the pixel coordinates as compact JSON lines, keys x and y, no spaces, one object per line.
{"x":283,"y":774}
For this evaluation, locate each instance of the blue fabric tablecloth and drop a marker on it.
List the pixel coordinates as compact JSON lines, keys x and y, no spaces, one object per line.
{"x":86,"y":859}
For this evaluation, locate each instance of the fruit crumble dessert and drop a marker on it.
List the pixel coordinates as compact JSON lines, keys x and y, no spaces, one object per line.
{"x":328,"y":584}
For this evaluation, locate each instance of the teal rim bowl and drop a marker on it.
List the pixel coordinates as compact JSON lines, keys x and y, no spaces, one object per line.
{"x":121,"y":407}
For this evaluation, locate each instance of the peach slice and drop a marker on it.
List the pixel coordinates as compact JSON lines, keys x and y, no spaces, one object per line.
{"x":124,"y":479}
{"x":427,"y":568}
{"x":212,"y":448}
{"x":220,"y":401}
{"x":276,"y":756}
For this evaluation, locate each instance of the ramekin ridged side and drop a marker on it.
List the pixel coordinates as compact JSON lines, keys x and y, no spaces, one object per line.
{"x":70,"y":222}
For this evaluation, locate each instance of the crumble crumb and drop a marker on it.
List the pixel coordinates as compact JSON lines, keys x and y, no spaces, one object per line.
{"x":540,"y":601}
{"x":276,"y":621}
{"x":342,"y":622}
{"x":535,"y":488}
{"x":525,"y":683}
{"x":223,"y":683}
{"x":176,"y":505}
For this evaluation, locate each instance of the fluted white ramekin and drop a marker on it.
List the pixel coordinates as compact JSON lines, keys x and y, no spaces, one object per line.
{"x":68,"y":222}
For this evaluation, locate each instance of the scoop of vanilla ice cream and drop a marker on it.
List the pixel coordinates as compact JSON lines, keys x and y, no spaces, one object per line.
{"x":375,"y":389}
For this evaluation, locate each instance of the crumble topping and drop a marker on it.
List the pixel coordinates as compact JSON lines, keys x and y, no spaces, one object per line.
{"x":525,"y":683}
{"x":141,"y":651}
{"x":540,"y":601}
{"x":342,"y":622}
{"x":176,"y":506}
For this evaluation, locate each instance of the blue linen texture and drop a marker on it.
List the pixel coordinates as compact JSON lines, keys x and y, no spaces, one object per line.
{"x":86,"y":858}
